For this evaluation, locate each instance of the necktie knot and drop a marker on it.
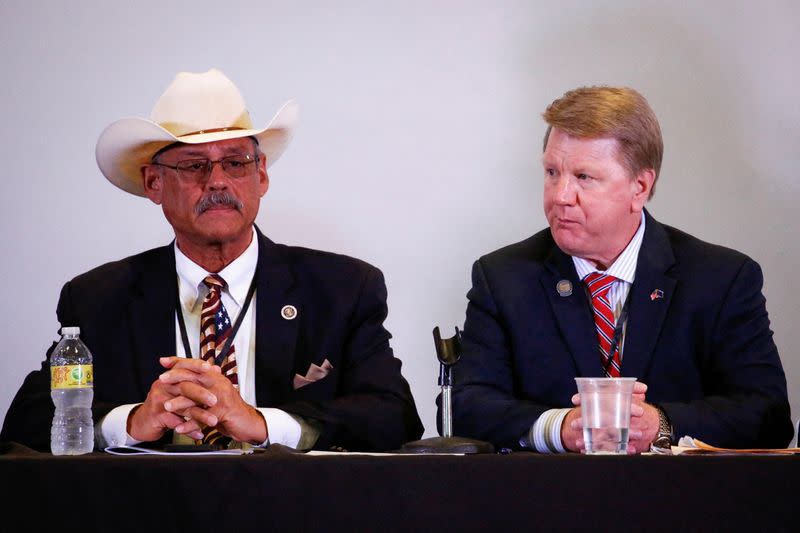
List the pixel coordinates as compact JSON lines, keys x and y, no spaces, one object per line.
{"x":599,"y":284}
{"x":214,"y":282}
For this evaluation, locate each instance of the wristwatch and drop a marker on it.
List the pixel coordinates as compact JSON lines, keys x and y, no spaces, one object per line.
{"x":664,"y":437}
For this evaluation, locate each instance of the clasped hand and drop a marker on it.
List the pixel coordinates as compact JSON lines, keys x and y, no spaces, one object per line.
{"x":190,"y":395}
{"x":643,"y":427}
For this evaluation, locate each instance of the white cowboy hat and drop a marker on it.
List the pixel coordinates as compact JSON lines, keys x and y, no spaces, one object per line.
{"x":195,"y":108}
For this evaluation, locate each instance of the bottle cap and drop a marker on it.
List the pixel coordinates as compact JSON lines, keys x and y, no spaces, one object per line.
{"x":71,"y":330}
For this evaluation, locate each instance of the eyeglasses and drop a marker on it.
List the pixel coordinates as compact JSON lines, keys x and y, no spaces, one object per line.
{"x":235,"y":166}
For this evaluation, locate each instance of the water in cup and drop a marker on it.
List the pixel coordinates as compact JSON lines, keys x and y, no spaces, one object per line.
{"x":606,"y":441}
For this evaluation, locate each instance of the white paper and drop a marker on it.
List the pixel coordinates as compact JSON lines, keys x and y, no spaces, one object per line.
{"x":137,"y":450}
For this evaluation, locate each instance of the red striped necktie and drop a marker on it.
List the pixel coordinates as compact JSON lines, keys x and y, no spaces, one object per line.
{"x":599,"y":286}
{"x":215,"y":328}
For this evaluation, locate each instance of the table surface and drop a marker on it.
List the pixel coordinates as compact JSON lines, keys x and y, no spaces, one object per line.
{"x":281,"y":490}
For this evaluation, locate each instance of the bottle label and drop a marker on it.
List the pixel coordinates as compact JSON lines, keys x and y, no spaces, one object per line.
{"x":71,"y":377}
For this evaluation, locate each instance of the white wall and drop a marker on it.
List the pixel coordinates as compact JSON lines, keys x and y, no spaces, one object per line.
{"x":419,"y":142}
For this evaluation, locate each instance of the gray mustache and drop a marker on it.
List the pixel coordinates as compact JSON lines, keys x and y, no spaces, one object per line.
{"x":217,"y":198}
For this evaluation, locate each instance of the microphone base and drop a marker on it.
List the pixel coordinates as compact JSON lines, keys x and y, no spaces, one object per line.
{"x":447,"y":445}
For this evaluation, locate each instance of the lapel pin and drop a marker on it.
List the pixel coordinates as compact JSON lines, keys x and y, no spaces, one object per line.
{"x":656,"y":294}
{"x":289,"y":312}
{"x":564,"y":288}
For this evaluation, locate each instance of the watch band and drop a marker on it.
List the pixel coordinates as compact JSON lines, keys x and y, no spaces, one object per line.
{"x":665,"y":436}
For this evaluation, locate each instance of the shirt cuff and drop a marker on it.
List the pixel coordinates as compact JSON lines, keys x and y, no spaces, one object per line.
{"x":545,"y":435}
{"x":281,"y":427}
{"x":112,"y":429}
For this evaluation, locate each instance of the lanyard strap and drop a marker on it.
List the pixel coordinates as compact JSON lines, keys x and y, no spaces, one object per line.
{"x":623,"y":316}
{"x":229,"y":342}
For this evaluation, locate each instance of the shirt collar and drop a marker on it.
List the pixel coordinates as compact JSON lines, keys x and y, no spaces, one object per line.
{"x":238,"y":275}
{"x":624,"y":268}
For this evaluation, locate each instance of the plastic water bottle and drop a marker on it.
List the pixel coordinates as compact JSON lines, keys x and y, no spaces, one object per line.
{"x":71,"y":378}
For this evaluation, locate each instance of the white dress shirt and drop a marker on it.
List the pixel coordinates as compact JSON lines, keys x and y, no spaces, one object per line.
{"x":283,"y":428}
{"x":545,"y":435}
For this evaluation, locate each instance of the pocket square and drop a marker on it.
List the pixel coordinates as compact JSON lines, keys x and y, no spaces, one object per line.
{"x":315,"y":373}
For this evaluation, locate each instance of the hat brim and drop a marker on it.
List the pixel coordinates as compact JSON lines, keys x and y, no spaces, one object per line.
{"x":128,"y":144}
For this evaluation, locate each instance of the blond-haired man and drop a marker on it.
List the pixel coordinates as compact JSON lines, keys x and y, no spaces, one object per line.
{"x":607,"y":290}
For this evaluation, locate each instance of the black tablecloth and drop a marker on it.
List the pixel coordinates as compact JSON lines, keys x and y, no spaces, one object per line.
{"x":282,"y":491}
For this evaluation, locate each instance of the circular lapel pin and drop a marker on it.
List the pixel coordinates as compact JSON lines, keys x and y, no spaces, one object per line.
{"x":289,"y":312}
{"x":564,"y":287}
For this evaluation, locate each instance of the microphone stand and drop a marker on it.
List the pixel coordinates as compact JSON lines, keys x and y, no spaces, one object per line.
{"x":448,"y":352}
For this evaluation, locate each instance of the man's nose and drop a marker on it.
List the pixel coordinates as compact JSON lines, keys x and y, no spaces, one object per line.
{"x":217,"y":177}
{"x":565,"y":191}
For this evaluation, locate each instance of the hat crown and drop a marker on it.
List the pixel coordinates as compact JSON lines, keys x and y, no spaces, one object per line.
{"x":198,"y":102}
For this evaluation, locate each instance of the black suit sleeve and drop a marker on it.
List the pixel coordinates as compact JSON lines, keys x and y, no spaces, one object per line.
{"x":373,"y":408}
{"x":484,"y":403}
{"x":745,"y":402}
{"x":31,"y":412}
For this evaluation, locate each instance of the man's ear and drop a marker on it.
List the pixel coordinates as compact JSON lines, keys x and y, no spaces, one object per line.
{"x":263,"y":177}
{"x":152,"y":183}
{"x":642,"y":186}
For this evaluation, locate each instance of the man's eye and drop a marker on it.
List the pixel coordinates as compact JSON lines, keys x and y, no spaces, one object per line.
{"x":193,"y":166}
{"x":235,"y":163}
{"x":550,"y":171}
{"x":583,"y":177}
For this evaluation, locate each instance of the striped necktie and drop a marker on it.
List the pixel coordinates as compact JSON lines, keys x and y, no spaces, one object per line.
{"x":599,"y":286}
{"x":215,"y":328}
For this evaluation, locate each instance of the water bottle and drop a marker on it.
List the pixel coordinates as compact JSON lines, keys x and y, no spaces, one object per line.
{"x":71,"y":378}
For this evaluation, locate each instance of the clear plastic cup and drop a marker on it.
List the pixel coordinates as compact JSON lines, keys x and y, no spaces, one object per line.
{"x":606,"y":414}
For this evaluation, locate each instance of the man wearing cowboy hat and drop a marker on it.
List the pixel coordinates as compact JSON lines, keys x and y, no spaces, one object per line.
{"x":223,"y":336}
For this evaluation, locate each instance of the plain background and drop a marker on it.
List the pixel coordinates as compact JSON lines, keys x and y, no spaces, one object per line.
{"x":419,"y":142}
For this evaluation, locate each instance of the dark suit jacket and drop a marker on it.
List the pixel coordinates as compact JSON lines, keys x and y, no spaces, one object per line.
{"x":704,"y":349}
{"x":126,"y":312}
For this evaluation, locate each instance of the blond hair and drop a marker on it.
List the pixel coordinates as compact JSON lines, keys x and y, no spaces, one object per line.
{"x":620,"y":113}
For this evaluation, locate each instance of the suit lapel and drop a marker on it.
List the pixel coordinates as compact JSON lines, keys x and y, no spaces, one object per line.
{"x":651,"y":294}
{"x":572,"y":312}
{"x":276,"y":335}
{"x":152,"y":315}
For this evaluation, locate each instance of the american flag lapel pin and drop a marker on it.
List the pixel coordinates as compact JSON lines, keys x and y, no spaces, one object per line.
{"x":656,"y":294}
